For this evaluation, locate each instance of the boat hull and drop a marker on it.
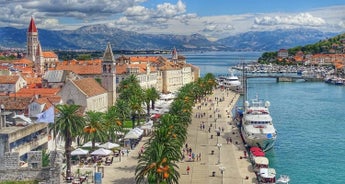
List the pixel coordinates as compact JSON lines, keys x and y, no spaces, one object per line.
{"x":262,"y":141}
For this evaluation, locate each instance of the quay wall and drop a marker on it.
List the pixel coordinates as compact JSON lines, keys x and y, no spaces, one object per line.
{"x":11,"y":171}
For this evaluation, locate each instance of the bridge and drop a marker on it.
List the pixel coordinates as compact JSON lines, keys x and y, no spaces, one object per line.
{"x":284,"y":77}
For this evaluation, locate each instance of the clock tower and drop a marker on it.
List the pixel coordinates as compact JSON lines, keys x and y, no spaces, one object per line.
{"x":109,"y":74}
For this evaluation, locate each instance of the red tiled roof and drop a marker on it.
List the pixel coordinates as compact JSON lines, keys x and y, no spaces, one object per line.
{"x":33,"y":80}
{"x":49,"y":54}
{"x":32,"y":26}
{"x":89,"y":86}
{"x":15,"y":103}
{"x":81,"y":67}
{"x":43,"y":92}
{"x":23,"y":61}
{"x":8,"y":79}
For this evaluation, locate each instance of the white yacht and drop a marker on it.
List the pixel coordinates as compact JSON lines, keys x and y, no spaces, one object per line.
{"x":229,"y":81}
{"x":256,"y":126}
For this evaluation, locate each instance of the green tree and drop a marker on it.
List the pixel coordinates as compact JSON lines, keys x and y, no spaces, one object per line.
{"x":95,"y":127}
{"x":113,"y":123}
{"x":151,"y":95}
{"x":69,"y":125}
{"x":122,"y":109}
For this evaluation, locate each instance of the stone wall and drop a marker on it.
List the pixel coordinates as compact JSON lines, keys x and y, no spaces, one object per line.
{"x":11,"y":171}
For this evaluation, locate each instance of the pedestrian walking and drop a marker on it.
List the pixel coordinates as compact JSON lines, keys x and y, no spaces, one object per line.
{"x":188,"y":169}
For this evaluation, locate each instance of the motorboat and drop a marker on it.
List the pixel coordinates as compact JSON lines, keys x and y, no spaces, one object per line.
{"x":266,"y":176}
{"x":229,"y":81}
{"x":257,"y":128}
{"x":283,"y":179}
{"x":257,"y":158}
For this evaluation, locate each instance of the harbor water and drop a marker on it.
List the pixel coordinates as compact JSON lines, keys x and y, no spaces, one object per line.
{"x":309,"y":118}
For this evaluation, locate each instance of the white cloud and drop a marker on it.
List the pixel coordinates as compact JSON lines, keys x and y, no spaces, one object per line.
{"x":302,"y":19}
{"x":161,"y":18}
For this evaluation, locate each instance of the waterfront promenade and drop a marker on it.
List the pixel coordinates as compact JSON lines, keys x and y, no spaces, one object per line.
{"x":237,"y":170}
{"x":228,"y":156}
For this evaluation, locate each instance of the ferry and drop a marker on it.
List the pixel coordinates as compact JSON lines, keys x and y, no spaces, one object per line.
{"x":257,"y":128}
{"x":230,"y":81}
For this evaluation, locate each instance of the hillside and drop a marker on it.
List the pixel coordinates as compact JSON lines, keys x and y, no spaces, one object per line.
{"x":96,"y":37}
{"x":333,"y":45}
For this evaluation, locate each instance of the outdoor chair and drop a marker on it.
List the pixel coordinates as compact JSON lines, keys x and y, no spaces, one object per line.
{"x":109,"y":161}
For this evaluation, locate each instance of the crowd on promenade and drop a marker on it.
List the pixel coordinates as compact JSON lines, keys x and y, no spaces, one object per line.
{"x":212,"y":143}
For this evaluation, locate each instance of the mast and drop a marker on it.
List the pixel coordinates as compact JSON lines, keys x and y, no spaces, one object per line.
{"x":244,"y":82}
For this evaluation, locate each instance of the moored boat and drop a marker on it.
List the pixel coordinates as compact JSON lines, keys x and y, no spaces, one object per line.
{"x":266,"y":176}
{"x":258,"y":159}
{"x":230,"y":81}
{"x":256,"y":126}
{"x":283,"y":179}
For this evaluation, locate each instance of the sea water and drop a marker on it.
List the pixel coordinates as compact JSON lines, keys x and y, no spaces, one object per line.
{"x":309,"y":118}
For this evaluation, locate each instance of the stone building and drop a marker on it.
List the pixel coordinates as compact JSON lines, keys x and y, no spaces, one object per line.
{"x":87,"y":93}
{"x":11,"y":83}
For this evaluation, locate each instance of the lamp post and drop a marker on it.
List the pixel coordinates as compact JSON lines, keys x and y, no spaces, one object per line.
{"x":222,"y":169}
{"x":2,"y":121}
{"x":219,"y":146}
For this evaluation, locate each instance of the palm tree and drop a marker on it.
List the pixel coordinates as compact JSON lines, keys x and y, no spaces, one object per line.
{"x":113,"y":123}
{"x":158,"y":162}
{"x":210,"y":80}
{"x":122,"y":110}
{"x":135,"y":101}
{"x":156,"y":165}
{"x":131,"y":92}
{"x":69,"y":124}
{"x":95,"y":128}
{"x":151,"y":95}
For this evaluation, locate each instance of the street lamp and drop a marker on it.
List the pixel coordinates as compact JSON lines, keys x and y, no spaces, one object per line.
{"x":219,"y":146}
{"x":222,"y":169}
{"x":218,"y":134}
{"x":2,"y":121}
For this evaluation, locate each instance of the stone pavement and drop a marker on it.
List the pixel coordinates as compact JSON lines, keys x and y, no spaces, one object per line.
{"x":229,"y":155}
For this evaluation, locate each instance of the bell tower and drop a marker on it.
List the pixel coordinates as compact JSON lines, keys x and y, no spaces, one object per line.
{"x":32,"y":41}
{"x":109,"y":74}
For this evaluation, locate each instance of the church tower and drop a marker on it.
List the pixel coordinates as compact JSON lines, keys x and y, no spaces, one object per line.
{"x":39,"y":60}
{"x":32,"y":41}
{"x":109,"y":74}
{"x":174,"y":55}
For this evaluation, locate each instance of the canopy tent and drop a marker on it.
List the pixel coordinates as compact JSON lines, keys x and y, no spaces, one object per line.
{"x":257,"y":152}
{"x":101,"y":152}
{"x":147,"y":127}
{"x":132,"y":135}
{"x":138,"y":130}
{"x":109,"y":145}
{"x":261,"y":160}
{"x":89,"y":144}
{"x":169,"y":96}
{"x":156,"y":116}
{"x":79,"y":151}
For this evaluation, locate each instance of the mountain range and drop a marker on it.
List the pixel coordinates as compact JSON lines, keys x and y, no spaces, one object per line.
{"x":95,"y":37}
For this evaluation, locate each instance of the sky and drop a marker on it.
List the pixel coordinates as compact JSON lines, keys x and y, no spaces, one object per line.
{"x":214,"y":19}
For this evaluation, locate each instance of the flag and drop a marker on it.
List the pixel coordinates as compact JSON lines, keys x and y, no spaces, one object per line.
{"x":46,"y":116}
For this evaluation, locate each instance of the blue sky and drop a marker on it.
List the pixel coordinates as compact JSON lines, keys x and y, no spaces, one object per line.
{"x":212,"y":18}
